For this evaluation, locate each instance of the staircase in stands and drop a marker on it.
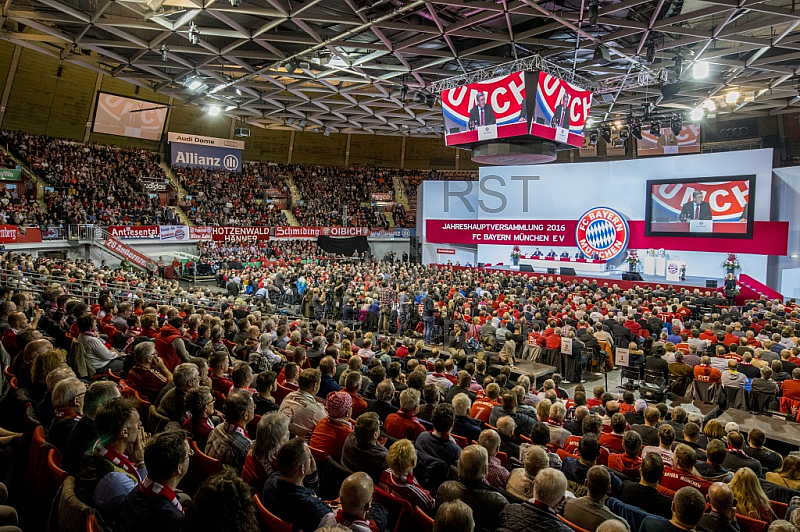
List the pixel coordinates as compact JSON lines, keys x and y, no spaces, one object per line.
{"x":40,"y":184}
{"x":181,"y":193}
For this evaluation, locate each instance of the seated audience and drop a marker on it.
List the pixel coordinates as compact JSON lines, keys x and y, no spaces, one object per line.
{"x":229,"y":442}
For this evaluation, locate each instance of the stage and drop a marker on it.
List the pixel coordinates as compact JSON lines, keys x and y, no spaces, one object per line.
{"x":611,"y":278}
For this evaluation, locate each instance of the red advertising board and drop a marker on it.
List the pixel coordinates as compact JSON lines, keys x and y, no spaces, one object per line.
{"x":131,"y":232}
{"x":11,"y":234}
{"x":314,"y":232}
{"x":200,"y":233}
{"x":560,"y":111}
{"x":239,"y":234}
{"x":139,"y":259}
{"x":445,"y":251}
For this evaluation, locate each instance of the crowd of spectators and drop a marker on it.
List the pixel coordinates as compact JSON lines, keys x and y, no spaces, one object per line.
{"x":91,"y":183}
{"x":288,"y":250}
{"x":219,"y":197}
{"x":270,"y":396}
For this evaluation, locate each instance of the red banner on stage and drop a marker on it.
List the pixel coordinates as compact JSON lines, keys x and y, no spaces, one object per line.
{"x":239,"y":234}
{"x":130,"y":232}
{"x":521,"y":232}
{"x":11,"y":234}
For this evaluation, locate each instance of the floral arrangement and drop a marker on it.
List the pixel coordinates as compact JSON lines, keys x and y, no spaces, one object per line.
{"x":732,"y":262}
{"x":632,"y":258}
{"x":515,"y":252}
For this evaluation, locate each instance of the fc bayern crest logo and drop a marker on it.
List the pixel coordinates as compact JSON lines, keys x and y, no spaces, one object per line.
{"x":602,"y":232}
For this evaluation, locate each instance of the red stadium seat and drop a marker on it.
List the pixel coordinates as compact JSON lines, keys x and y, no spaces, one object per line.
{"x":779,"y":508}
{"x":54,"y":466}
{"x":576,"y":528}
{"x":271,"y":522}
{"x":280,"y":393}
{"x":419,"y":521}
{"x":748,"y":524}
{"x":252,"y":427}
{"x":7,"y":372}
{"x":399,"y":509}
{"x":201,"y":466}
{"x":503,"y":457}
{"x":460,"y":440}
{"x":318,"y":454}
{"x":92,"y":525}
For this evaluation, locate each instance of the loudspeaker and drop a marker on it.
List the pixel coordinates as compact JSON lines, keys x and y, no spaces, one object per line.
{"x":552,"y":270}
{"x":567,"y":271}
{"x":671,"y":90}
{"x":711,"y":283}
{"x":525,"y":268}
{"x":632,"y":276}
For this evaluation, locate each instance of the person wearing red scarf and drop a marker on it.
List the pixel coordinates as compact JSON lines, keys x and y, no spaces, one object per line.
{"x":157,"y":506}
{"x":356,"y":497}
{"x":121,"y":443}
{"x":67,"y":399}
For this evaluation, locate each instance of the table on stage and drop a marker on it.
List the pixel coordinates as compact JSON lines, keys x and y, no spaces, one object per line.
{"x":775,"y":428}
{"x":579,"y":265}
{"x":705,"y":410}
{"x":699,"y":226}
{"x":534,"y":370}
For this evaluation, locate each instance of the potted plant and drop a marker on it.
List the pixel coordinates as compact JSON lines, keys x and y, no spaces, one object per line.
{"x":515,"y":256}
{"x":731,"y":264}
{"x":633,"y":260}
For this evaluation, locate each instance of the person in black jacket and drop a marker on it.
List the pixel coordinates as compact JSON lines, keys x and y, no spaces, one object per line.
{"x":464,"y":425}
{"x":486,"y":502}
{"x":656,"y":364}
{"x":428,"y":318}
{"x":384,"y":393}
{"x":722,"y":517}
{"x":156,"y":507}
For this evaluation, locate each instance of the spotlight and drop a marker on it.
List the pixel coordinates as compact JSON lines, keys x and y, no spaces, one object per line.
{"x":213,"y":110}
{"x":624,"y":133}
{"x":164,"y":53}
{"x":235,"y":3}
{"x":732,"y":97}
{"x":193,"y":86}
{"x":676,"y":125}
{"x":430,"y":100}
{"x":636,"y":130}
{"x":194,"y":34}
{"x":419,"y":97}
{"x":651,"y":52}
{"x":655,"y":129}
{"x":700,"y":70}
{"x":606,"y":132}
{"x":593,"y":137}
{"x":290,"y":67}
{"x":710,"y":105}
{"x":302,"y":123}
{"x":403,"y":93}
{"x":589,"y":122}
{"x":698,"y":113}
{"x":289,"y":121}
{"x":594,"y":6}
{"x":327,"y":132}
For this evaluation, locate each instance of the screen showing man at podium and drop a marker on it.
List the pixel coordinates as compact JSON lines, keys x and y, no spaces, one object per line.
{"x":707,"y":207}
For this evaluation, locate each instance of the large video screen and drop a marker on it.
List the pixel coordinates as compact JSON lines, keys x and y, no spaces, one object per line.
{"x":718,"y":207}
{"x":560,"y":111}
{"x":487,"y":110}
{"x":668,"y":143}
{"x":129,"y":117}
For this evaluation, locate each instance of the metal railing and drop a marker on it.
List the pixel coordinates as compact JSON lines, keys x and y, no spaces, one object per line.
{"x":88,"y":290}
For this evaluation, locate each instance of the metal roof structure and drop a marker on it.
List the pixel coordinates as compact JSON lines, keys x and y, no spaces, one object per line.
{"x":342,"y":65}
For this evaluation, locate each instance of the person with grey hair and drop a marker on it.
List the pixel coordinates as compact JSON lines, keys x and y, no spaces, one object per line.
{"x":149,"y":376}
{"x":45,"y":408}
{"x":496,"y":474}
{"x":520,"y":482}
{"x":173,"y":405}
{"x":67,"y":398}
{"x":485,"y":501}
{"x":229,"y":442}
{"x":272,"y":432}
{"x":464,"y":425}
{"x":764,"y":384}
{"x":83,"y":435}
{"x":555,"y":423}
{"x":382,"y":404}
{"x":541,"y":514}
{"x":454,"y":516}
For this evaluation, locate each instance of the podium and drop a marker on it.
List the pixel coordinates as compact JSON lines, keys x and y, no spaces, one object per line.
{"x":649,"y":265}
{"x":661,"y":265}
{"x":674,"y":270}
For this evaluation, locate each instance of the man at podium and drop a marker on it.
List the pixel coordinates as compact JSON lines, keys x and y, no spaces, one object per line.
{"x":697,"y":209}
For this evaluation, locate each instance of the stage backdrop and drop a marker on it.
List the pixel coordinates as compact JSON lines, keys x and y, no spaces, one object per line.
{"x":540,"y":207}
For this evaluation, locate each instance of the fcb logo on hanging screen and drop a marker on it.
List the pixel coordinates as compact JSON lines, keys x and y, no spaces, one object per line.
{"x":602,"y":232}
